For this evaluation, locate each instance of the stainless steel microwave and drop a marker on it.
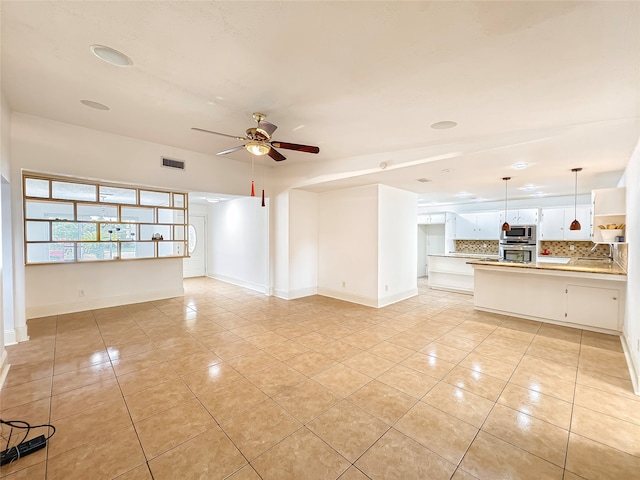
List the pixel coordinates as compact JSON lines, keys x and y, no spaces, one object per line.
{"x":519,"y":234}
{"x":522,"y":253}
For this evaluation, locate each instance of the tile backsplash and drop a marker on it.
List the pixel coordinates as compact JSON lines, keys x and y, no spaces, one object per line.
{"x":477,"y":246}
{"x":581,"y":249}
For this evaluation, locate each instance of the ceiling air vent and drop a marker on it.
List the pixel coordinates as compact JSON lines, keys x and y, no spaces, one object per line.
{"x":168,"y":162}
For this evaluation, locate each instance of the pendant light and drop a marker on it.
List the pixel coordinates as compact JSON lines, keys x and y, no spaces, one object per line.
{"x":505,"y":226}
{"x":575,"y":225}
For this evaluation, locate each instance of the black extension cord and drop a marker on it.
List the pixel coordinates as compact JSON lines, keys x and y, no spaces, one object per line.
{"x":23,"y":448}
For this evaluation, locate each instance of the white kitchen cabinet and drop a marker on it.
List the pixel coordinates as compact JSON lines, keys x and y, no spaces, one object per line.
{"x":593,"y":306}
{"x":576,"y":299}
{"x":450,"y":273}
{"x":431,"y":218}
{"x":523,"y":216}
{"x":609,"y":206}
{"x":555,"y":222}
{"x":478,"y":226}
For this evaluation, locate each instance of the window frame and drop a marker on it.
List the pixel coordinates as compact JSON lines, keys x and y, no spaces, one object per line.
{"x":179,"y":246}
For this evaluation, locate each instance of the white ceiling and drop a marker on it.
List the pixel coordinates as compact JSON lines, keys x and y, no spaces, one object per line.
{"x":553,"y":84}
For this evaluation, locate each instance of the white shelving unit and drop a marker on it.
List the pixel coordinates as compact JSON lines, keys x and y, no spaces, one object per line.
{"x":608,"y":208}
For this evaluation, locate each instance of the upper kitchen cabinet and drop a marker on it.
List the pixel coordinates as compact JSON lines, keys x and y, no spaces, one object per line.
{"x":555,"y":222}
{"x":431,"y":218}
{"x":523,"y":216}
{"x":609,"y":208}
{"x":478,"y":226}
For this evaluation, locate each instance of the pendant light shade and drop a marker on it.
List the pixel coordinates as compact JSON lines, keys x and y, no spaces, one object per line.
{"x":505,"y":226}
{"x":575,"y":225}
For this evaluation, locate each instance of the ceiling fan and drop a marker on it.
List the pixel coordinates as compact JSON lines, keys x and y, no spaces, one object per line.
{"x":258,"y":140}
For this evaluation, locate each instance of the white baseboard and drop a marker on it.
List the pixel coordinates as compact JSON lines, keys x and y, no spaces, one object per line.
{"x":398,"y":297}
{"x":95,"y":303}
{"x":10,"y":337}
{"x":241,"y":283}
{"x":293,"y":294}
{"x":546,"y":320}
{"x":634,"y":370}
{"x":4,"y":366}
{"x":348,"y":297}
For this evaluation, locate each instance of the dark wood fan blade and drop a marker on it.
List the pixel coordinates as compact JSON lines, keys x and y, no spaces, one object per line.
{"x":218,"y":133}
{"x":267,"y":127}
{"x":295,"y":146}
{"x":231,"y":150}
{"x":276,"y":155}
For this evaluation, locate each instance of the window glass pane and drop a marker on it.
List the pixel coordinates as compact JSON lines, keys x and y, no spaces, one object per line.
{"x":160,"y":199}
{"x":110,"y":232}
{"x":88,"y":252}
{"x":118,"y":195}
{"x":37,"y":231}
{"x":71,"y":231}
{"x":49,"y":210}
{"x":179,"y":232}
{"x":98,"y":213}
{"x":138,"y":250}
{"x":147,"y":232}
{"x":137,"y":214}
{"x":35,"y":187}
{"x":170,"y":249}
{"x":178,"y":200}
{"x":166,"y":215}
{"x":50,"y":252}
{"x":73,"y":191}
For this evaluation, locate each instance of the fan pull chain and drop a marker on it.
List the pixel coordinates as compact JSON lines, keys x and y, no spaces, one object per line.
{"x":253,"y":188}
{"x":263,"y":204}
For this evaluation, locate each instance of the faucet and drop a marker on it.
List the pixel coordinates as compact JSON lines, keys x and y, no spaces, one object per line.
{"x":610,"y":256}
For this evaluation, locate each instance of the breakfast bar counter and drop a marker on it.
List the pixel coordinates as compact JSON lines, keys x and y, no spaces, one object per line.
{"x":581,"y":293}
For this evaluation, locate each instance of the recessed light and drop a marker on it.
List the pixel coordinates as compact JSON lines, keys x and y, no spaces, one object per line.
{"x":213,"y":200}
{"x":463,"y":194}
{"x":96,"y":105}
{"x":538,"y":194}
{"x":111,"y":55}
{"x":444,"y":125}
{"x":447,"y":170}
{"x":423,"y":180}
{"x":520,"y":165}
{"x":528,"y":187}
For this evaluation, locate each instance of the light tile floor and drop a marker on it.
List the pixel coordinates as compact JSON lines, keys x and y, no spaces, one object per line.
{"x":227,"y":383}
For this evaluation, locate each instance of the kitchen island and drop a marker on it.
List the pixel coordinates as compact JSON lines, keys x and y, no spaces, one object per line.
{"x":580,"y":293}
{"x":452,"y":272}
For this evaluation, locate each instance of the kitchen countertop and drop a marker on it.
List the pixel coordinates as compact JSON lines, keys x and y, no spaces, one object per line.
{"x":476,"y":256}
{"x":574,"y":265}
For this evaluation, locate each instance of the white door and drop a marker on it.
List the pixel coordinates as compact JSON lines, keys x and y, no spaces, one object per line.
{"x":422,"y":251}
{"x":196,"y":264}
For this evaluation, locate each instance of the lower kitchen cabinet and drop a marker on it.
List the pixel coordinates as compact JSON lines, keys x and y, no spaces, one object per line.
{"x":450,"y":273}
{"x":593,"y":306}
{"x":577,"y":299}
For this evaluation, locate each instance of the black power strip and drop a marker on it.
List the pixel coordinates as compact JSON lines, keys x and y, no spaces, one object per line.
{"x":22,"y":450}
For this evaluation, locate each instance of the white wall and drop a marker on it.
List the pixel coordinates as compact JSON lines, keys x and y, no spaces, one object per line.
{"x":279,"y":236}
{"x":348,"y":244}
{"x":6,"y":259}
{"x":43,"y":145}
{"x":397,"y":245}
{"x":631,"y":328}
{"x":55,"y":289}
{"x":303,"y":243}
{"x":239,"y":239}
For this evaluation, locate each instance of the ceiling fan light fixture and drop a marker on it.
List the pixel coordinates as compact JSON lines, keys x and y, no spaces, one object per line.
{"x":257,"y":148}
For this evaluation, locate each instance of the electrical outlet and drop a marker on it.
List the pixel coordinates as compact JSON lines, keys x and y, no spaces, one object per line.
{"x":81,"y":293}
{"x":572,"y":247}
{"x":386,"y":288}
{"x":344,"y":284}
{"x":639,"y":344}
